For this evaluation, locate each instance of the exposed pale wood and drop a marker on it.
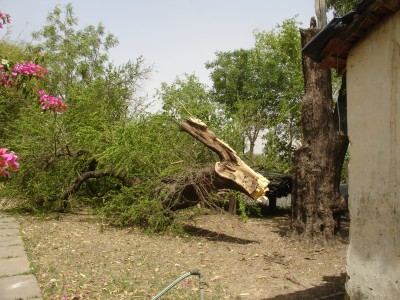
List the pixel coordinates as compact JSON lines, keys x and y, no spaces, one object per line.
{"x":230,"y":167}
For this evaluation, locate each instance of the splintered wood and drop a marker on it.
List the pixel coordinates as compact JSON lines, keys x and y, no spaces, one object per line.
{"x":230,"y":167}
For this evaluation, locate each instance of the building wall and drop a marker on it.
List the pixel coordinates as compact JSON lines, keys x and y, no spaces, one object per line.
{"x":373,"y":89}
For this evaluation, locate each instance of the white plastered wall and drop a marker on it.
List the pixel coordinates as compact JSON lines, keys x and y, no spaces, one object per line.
{"x":373,"y":89}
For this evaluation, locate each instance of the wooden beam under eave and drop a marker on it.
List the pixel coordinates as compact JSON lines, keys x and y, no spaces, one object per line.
{"x":371,"y":20}
{"x":332,"y":62}
{"x":336,"y":47}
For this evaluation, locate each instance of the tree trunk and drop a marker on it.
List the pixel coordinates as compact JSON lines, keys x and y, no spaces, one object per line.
{"x":320,"y":11}
{"x":251,"y":150}
{"x":318,"y":162}
{"x":252,"y":135}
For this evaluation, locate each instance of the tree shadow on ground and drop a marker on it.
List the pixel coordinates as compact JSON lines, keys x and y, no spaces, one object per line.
{"x":269,"y":212}
{"x":216,"y":236}
{"x":282,"y":225}
{"x":333,"y":289}
{"x":281,"y":218}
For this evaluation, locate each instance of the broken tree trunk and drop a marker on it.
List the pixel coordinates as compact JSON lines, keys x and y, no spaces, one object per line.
{"x":229,"y":173}
{"x":230,"y":167}
{"x":318,"y":162}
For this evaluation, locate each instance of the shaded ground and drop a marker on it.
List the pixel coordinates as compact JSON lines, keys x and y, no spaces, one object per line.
{"x":77,"y":257}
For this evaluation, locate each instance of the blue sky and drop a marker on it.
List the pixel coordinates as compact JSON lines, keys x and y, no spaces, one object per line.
{"x":175,"y":36}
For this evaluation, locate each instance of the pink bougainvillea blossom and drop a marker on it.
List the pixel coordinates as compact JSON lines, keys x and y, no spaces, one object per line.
{"x":8,"y":161}
{"x":51,"y":103}
{"x":29,"y":68}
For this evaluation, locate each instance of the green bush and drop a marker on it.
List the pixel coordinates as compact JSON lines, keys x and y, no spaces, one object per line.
{"x":133,"y":207}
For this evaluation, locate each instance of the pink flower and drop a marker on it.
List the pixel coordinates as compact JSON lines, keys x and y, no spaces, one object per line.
{"x":10,"y":159}
{"x":25,"y":69}
{"x":29,"y":68}
{"x":7,"y":162}
{"x":51,"y":103}
{"x":4,"y":19}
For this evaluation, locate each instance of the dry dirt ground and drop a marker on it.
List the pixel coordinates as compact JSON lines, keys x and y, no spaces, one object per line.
{"x":78,"y":257}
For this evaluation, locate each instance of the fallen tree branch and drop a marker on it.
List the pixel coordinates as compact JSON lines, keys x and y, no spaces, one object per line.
{"x":82,"y":178}
{"x":231,"y":169}
{"x":230,"y":173}
{"x":70,"y":153}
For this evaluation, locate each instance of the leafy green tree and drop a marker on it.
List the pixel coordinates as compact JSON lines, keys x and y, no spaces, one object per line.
{"x":341,"y":7}
{"x":188,"y":97}
{"x":57,"y":149}
{"x":81,"y":56}
{"x":281,"y":51}
{"x":261,"y":87}
{"x":234,"y":79}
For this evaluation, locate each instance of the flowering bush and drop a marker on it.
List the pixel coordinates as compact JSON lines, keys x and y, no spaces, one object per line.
{"x":10,"y":77}
{"x":7,"y":162}
{"x":32,"y":70}
{"x":18,"y":71}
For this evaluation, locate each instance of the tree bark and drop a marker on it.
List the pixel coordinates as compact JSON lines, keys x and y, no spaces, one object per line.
{"x":318,"y":162}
